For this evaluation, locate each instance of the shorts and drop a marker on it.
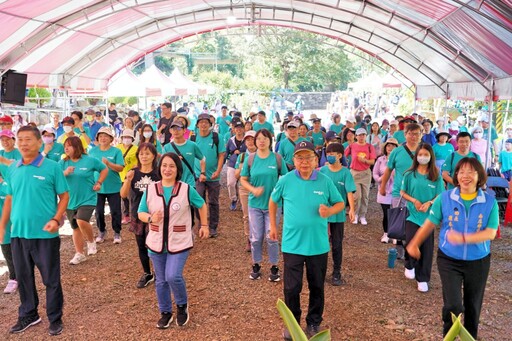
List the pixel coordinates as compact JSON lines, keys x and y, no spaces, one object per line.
{"x":81,"y":213}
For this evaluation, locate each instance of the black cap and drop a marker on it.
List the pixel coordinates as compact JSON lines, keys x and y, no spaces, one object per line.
{"x":203,"y":117}
{"x":69,"y":120}
{"x":304,"y":145}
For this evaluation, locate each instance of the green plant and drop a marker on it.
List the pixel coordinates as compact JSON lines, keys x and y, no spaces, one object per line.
{"x":459,"y":330}
{"x":294,"y":328}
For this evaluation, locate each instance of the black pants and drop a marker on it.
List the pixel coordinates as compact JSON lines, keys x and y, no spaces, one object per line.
{"x":114,"y":203}
{"x":337,"y":232}
{"x":126,"y":207}
{"x":385,"y":208}
{"x":45,"y":254}
{"x":471,"y":277}
{"x":423,"y":266}
{"x":7,"y":252}
{"x":316,"y":267}
{"x":213,"y":189}
{"x":143,"y":252}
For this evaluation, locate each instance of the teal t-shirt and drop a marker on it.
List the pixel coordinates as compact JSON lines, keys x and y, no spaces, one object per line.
{"x":82,"y":180}
{"x":421,"y":188}
{"x":7,"y":234}
{"x":399,"y":135}
{"x":337,"y":128}
{"x":34,"y":187}
{"x":267,"y":125}
{"x":344,"y":182}
{"x":12,"y":155}
{"x":209,"y":150}
{"x":442,"y":152}
{"x":349,"y":158}
{"x":224,"y":124}
{"x":286,"y":149}
{"x":304,"y":230}
{"x":452,"y":160}
{"x":190,"y":152}
{"x":226,"y":138}
{"x":399,"y":161}
{"x":195,"y":199}
{"x":505,"y":160}
{"x":318,"y":138}
{"x":113,"y":182}
{"x":263,"y":173}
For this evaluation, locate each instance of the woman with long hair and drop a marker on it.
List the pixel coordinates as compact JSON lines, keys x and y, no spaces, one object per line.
{"x":149,"y":136}
{"x":135,"y":184}
{"x":421,"y":184}
{"x":374,"y":137}
{"x":79,"y":170}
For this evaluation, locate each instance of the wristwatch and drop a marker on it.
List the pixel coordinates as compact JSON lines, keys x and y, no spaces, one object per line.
{"x":203,"y":173}
{"x":149,"y":220}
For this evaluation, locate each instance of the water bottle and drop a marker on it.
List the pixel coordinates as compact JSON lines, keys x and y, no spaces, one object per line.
{"x":391,"y":258}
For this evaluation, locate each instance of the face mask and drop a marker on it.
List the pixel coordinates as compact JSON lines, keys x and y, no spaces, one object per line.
{"x":423,"y":160}
{"x":47,"y":139}
{"x":127,"y":141}
{"x":478,"y":135}
{"x":147,"y":134}
{"x":90,"y":118}
{"x":331,"y":159}
{"x":67,"y":129}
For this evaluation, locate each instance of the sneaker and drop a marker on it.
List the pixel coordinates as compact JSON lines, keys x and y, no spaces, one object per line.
{"x":255,"y":274}
{"x":274,"y":274}
{"x":117,"y":238}
{"x":11,"y":287}
{"x":232,"y":207}
{"x":126,"y":220}
{"x":286,"y":335}
{"x":422,"y":286}
{"x":363,"y":221}
{"x":91,"y":248}
{"x":55,"y":328}
{"x":165,"y":321}
{"x":77,"y":259}
{"x":355,"y":220}
{"x":101,"y":237}
{"x":384,"y":239}
{"x":145,"y":280}
{"x":182,"y":315}
{"x":312,"y":330}
{"x":337,"y":280}
{"x":409,"y":273}
{"x":23,"y":323}
{"x":248,"y":246}
{"x":213,"y":233}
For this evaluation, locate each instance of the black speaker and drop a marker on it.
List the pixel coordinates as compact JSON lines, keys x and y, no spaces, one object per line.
{"x":13,"y":88}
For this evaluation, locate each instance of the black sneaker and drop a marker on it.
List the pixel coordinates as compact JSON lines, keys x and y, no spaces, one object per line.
{"x":274,"y":274}
{"x":23,"y":323}
{"x":165,"y":321}
{"x":312,"y":330}
{"x":145,"y":280}
{"x":337,"y":280}
{"x":213,"y":233}
{"x":255,"y":274}
{"x":182,"y":315}
{"x":55,"y":328}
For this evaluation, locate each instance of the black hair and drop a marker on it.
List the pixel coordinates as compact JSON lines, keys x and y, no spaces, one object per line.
{"x":177,"y":161}
{"x":32,"y":129}
{"x":335,"y":147}
{"x":463,"y":134}
{"x":151,"y":147}
{"x":433,"y":172}
{"x":77,"y":113}
{"x":151,"y":139}
{"x":265,"y":133}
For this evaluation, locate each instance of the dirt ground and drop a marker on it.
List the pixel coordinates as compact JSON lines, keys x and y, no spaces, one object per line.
{"x":377,"y":303}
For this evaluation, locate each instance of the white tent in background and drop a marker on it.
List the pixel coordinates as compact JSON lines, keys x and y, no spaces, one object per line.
{"x":185,"y":85}
{"x":376,"y":82}
{"x":156,"y":83}
{"x":125,"y":83}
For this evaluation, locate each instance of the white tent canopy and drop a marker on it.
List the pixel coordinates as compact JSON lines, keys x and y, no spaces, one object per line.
{"x":125,"y":83}
{"x":157,"y":83}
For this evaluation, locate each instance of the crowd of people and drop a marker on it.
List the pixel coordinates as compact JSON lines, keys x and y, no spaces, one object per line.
{"x":160,"y":174}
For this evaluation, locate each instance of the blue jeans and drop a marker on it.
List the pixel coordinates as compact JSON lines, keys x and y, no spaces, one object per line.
{"x":259,"y":224}
{"x":169,"y":278}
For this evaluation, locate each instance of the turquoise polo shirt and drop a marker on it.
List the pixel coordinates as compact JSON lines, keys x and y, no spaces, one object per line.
{"x":195,"y":199}
{"x":422,"y":189}
{"x":451,"y":162}
{"x":286,"y":149}
{"x":224,"y":124}
{"x":82,"y":180}
{"x":505,"y":160}
{"x":337,"y":128}
{"x":209,"y":150}
{"x":344,"y":182}
{"x":304,"y":230}
{"x":190,"y":152}
{"x":442,"y":151}
{"x":55,"y":153}
{"x":7,"y":234}
{"x":12,"y":155}
{"x":399,"y":135}
{"x":112,"y":183}
{"x":318,"y":138}
{"x":267,"y":125}
{"x":263,"y":173}
{"x":35,"y":187}
{"x":399,"y":161}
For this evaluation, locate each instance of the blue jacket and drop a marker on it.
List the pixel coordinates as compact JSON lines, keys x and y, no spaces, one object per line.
{"x":455,"y":217}
{"x":230,"y":150}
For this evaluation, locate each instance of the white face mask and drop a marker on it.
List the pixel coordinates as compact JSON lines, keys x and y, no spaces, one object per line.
{"x":423,"y":160}
{"x":127,"y":141}
{"x":67,"y":129}
{"x":478,"y":135}
{"x":147,"y":134}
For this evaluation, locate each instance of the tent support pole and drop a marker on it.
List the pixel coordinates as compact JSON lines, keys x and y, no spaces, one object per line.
{"x":446,"y":104}
{"x":489,"y":135}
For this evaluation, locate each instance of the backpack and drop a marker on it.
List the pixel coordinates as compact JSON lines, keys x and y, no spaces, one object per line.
{"x":279,"y":160}
{"x":215,"y":138}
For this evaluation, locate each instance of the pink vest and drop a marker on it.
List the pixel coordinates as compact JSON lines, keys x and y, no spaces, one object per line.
{"x":176,"y":227}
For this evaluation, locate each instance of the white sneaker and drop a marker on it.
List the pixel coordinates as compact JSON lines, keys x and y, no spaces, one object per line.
{"x":363,"y":221}
{"x":422,"y":286}
{"x":355,"y":220}
{"x":117,"y":238}
{"x":91,"y":248}
{"x":11,"y":287}
{"x":79,"y":258}
{"x":409,"y":273}
{"x":384,"y":239}
{"x":101,"y":237}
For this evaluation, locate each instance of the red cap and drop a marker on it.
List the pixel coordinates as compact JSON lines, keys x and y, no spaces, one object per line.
{"x":6,"y":119}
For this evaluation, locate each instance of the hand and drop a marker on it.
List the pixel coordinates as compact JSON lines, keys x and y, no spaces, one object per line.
{"x":324,"y":211}
{"x":204,"y":232}
{"x":272,"y":234}
{"x":162,"y":127}
{"x":157,"y":217}
{"x":257,"y":191}
{"x":236,"y":152}
{"x":79,"y":125}
{"x":69,"y":170}
{"x":361,"y":159}
{"x":130,"y":175}
{"x":425,"y":207}
{"x":455,"y":237}
{"x":382,"y":190}
{"x":215,"y":174}
{"x":96,"y":187}
{"x":202,"y":178}
{"x":47,"y":148}
{"x":51,"y":226}
{"x":417,"y":205}
{"x":414,"y":251}
{"x":351,"y":214}
{"x":105,"y":161}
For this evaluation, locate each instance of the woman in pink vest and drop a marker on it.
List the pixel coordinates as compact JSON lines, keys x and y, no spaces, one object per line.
{"x":167,"y":207}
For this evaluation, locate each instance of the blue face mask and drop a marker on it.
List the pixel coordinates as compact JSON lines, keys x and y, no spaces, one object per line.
{"x":331,"y":159}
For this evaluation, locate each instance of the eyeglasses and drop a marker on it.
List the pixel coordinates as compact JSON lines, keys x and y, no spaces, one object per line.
{"x":304,"y":159}
{"x":176,"y":128}
{"x":414,"y":134}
